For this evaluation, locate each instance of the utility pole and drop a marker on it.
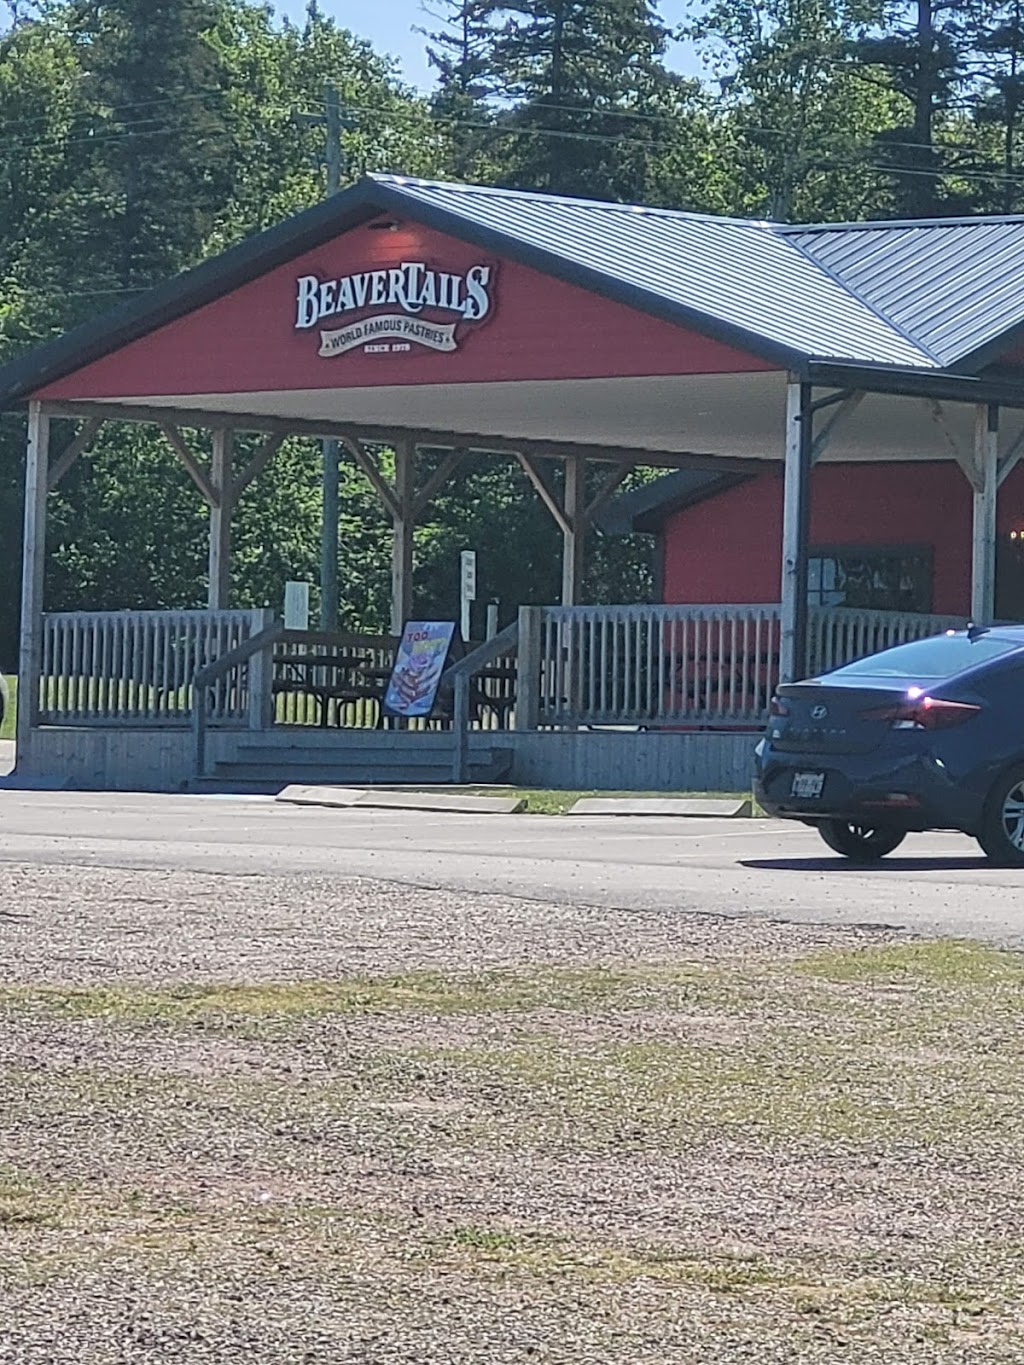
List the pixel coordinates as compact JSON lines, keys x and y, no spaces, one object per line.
{"x":333,"y":122}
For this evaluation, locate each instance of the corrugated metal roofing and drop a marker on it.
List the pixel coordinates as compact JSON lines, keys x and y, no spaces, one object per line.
{"x":953,"y":287}
{"x":646,"y":508}
{"x":743,"y":275}
{"x":919,"y":298}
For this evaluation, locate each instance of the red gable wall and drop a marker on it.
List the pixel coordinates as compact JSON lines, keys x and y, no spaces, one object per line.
{"x":538,"y":328}
{"x":729,"y":549}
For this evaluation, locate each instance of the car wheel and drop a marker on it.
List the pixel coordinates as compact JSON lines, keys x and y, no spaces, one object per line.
{"x":866,"y":843}
{"x":1002,"y":833}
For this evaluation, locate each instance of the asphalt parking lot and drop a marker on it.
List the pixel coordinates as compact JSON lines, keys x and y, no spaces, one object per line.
{"x":754,"y":868}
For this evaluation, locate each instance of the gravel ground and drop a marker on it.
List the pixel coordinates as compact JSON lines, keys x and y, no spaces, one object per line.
{"x":308,"y":1120}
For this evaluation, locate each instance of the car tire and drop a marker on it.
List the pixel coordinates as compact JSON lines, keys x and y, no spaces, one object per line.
{"x":1002,"y":831}
{"x":864,"y":843}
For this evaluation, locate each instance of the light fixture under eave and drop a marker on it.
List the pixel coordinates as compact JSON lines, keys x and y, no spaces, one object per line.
{"x":386,"y":225}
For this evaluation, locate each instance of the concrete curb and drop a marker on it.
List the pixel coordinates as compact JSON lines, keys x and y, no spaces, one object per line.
{"x":679,"y":806}
{"x":348,"y":798}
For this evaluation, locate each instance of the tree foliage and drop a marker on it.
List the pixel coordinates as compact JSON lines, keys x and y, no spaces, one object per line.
{"x":142,"y":136}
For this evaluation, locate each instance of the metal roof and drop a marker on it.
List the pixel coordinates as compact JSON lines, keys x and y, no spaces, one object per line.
{"x":953,"y":287}
{"x":903,"y":305}
{"x":646,"y":508}
{"x":742,"y":275}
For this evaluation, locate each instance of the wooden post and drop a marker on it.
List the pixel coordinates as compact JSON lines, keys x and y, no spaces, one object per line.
{"x":220,"y":523}
{"x":33,"y":560}
{"x":575,"y":533}
{"x":795,"y":523}
{"x":528,"y":671}
{"x":986,"y":492}
{"x":404,"y":524}
{"x":261,"y":675}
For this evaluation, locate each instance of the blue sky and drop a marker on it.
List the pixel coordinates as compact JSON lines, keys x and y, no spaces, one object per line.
{"x":389,"y":25}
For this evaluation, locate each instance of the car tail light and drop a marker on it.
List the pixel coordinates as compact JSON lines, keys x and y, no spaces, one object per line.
{"x":924,"y":713}
{"x":778,"y":707}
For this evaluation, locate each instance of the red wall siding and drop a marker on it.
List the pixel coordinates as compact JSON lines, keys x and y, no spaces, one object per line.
{"x":729,"y":548}
{"x":539,"y":328}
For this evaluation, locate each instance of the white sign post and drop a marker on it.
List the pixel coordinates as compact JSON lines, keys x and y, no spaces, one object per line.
{"x":467,"y":591}
{"x":296,"y":606}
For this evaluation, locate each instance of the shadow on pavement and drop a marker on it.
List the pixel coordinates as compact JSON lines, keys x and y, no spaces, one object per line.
{"x":827,"y":864}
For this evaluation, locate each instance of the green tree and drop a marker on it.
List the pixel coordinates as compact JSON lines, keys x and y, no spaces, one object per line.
{"x":921,"y":49}
{"x":460,"y":51}
{"x":996,"y":33}
{"x":798,"y":119}
{"x":151,"y":156}
{"x":589,"y":102}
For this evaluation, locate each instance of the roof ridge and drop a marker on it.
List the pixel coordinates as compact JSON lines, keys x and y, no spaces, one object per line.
{"x":901,"y":224}
{"x":544,"y":196}
{"x":855,"y":293}
{"x":765,"y":232}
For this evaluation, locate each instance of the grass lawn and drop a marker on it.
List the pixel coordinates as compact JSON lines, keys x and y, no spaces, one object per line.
{"x":726,"y":1141}
{"x":8,"y":723}
{"x":556,"y":802}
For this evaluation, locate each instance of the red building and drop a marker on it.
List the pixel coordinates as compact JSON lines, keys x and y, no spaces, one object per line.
{"x":843,"y":407}
{"x":893,"y":537}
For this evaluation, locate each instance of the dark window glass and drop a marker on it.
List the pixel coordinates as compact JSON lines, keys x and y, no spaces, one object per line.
{"x":876,"y":579}
{"x":941,"y":657}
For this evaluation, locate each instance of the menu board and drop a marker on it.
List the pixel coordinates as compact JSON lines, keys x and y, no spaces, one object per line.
{"x":419,"y":664}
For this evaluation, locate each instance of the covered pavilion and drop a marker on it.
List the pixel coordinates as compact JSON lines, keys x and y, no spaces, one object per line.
{"x":602,"y":337}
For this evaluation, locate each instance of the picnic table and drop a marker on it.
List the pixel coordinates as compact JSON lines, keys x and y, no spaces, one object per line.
{"x":334,"y":676}
{"x":495,"y":698}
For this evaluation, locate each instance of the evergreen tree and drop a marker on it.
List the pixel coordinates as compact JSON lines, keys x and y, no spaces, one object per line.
{"x":800,"y":122}
{"x":593,"y":103}
{"x":152,"y":156}
{"x":922,"y":48}
{"x":996,"y":33}
{"x":460,"y":51}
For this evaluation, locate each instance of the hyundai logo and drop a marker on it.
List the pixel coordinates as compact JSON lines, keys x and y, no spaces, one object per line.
{"x":819,"y":712}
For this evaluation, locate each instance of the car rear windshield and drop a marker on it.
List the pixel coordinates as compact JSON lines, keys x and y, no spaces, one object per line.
{"x":941,"y":657}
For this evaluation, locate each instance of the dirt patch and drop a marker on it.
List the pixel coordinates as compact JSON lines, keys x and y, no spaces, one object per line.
{"x":296,"y":1120}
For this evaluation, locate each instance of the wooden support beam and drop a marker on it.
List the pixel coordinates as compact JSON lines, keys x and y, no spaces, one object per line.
{"x":219,"y":593}
{"x":847,"y":406}
{"x":404,"y":526}
{"x":610,"y":485}
{"x":986,"y":490}
{"x":196,"y":473}
{"x":964,"y":458}
{"x":256,"y":465}
{"x":33,"y":559}
{"x":575,"y":538}
{"x":475,"y":442}
{"x":1010,"y":458}
{"x":438,"y":479}
{"x":548,"y":496}
{"x":795,"y":517}
{"x":371,"y":469}
{"x":81,"y":443}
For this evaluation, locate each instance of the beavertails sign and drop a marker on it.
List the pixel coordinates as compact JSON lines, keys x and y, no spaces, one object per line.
{"x":389,"y":311}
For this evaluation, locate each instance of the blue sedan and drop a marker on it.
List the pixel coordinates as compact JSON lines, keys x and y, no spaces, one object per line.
{"x":928,"y":735}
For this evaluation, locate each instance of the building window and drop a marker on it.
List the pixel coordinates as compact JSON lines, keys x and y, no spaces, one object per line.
{"x":875,"y":577}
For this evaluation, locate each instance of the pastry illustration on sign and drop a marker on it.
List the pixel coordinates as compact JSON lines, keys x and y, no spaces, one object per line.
{"x":419,"y":664}
{"x":395,"y":310}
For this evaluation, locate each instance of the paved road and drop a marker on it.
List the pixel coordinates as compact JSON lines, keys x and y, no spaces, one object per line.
{"x":723,"y":867}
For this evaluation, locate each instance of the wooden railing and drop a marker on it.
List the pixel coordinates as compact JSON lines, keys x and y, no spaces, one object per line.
{"x":704,"y":666}
{"x":560,"y":667}
{"x":656,"y":665}
{"x":461,"y":678}
{"x":838,"y":635}
{"x":137,"y":667}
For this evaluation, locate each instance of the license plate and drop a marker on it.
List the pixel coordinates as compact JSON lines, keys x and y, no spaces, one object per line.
{"x":808,"y":786}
